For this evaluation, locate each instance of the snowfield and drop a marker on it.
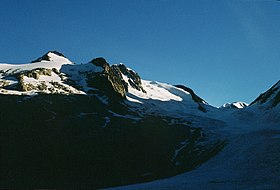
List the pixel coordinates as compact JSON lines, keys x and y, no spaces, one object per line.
{"x":249,"y":161}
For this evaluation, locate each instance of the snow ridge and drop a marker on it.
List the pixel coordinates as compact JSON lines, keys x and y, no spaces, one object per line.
{"x":238,"y":105}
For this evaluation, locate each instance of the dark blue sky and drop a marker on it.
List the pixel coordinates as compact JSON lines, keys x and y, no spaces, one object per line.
{"x":224,"y":50}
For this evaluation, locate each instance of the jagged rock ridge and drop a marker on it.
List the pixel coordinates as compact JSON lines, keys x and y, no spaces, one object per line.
{"x":111,"y":81}
{"x":133,"y":77}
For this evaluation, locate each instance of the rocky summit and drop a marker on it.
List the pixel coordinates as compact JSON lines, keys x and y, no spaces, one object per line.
{"x":97,"y":125}
{"x":62,"y":76}
{"x":48,"y":57}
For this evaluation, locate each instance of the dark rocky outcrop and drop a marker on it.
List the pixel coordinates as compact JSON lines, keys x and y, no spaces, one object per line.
{"x":35,"y":73}
{"x":46,"y":56}
{"x":100,"y":62}
{"x":22,"y":86}
{"x":134,"y":79}
{"x":109,"y":81}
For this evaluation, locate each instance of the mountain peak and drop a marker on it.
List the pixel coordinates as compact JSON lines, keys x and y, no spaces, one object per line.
{"x":56,"y":53}
{"x":52,"y":56}
{"x":100,"y":62}
{"x":235,"y":105}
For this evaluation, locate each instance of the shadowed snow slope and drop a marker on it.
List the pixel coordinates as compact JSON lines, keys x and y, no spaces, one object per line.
{"x":249,"y":161}
{"x":270,"y":98}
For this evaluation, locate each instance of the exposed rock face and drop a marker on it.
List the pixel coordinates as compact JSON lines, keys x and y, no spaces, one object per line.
{"x":41,"y":86}
{"x":109,"y":81}
{"x":35,"y":73}
{"x":22,"y":86}
{"x":46,"y":56}
{"x":3,"y":84}
{"x":95,"y":77}
{"x":134,"y":79}
{"x":101,"y":62}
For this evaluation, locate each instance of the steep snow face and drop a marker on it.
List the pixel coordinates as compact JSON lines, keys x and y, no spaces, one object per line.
{"x":152,"y":96}
{"x":52,"y":56}
{"x":238,"y":105}
{"x":57,"y":58}
{"x":267,"y":105}
{"x":165,"y":99}
{"x":154,"y":91}
{"x":269,"y":99}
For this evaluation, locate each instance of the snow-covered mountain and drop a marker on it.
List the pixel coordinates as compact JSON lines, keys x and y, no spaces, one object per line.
{"x":99,"y":125}
{"x":53,"y":73}
{"x":237,"y":105}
